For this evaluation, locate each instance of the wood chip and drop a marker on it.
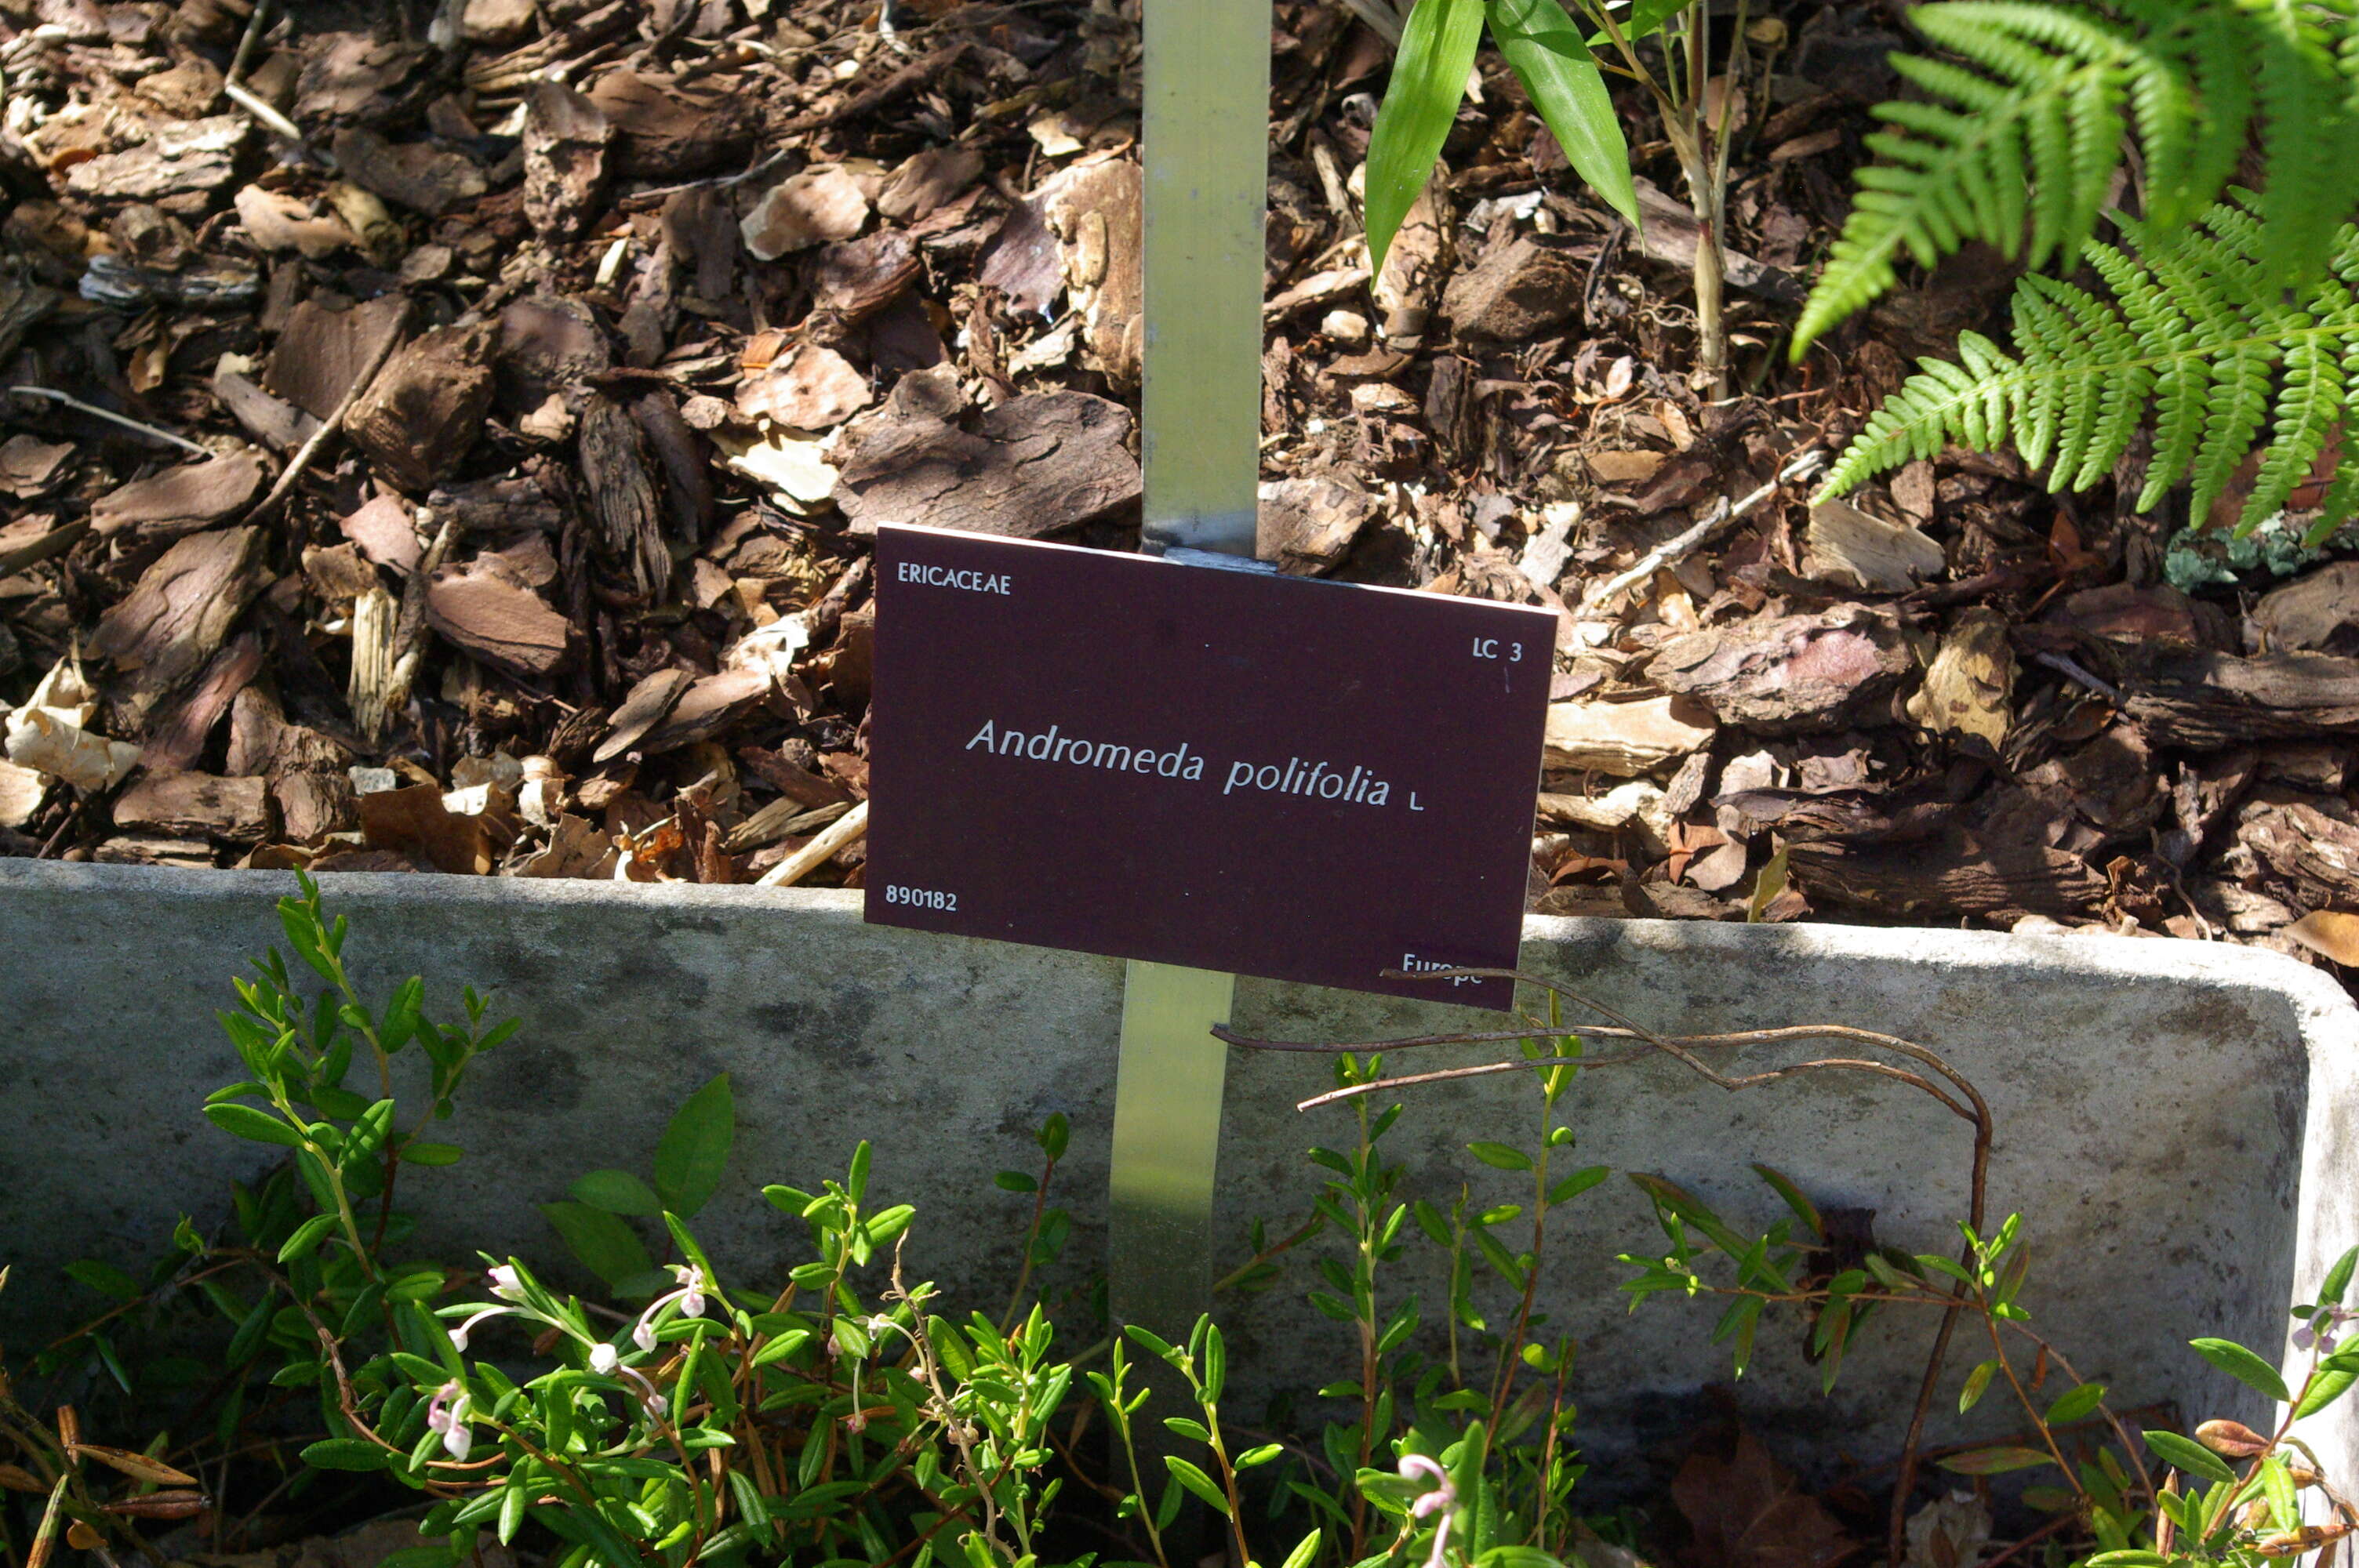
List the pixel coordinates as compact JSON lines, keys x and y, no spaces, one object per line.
{"x":1097,"y":211}
{"x":2309,"y":612}
{"x":565,"y":141}
{"x":180,"y":500}
{"x":181,"y":159}
{"x":1847,"y":544}
{"x":1788,"y":675}
{"x":673,"y":127}
{"x":28,"y":465}
{"x":808,"y":209}
{"x":814,"y":389}
{"x":1307,"y":526}
{"x":383,"y":530}
{"x":426,"y":408}
{"x":1969,"y":687}
{"x":311,"y":805}
{"x":622,"y":493}
{"x":847,"y":830}
{"x":1626,"y":739}
{"x":2207,"y":702}
{"x":419,"y":176}
{"x":705,"y":710}
{"x":1036,"y":465}
{"x":1520,"y":292}
{"x":645,"y":706}
{"x":927,"y":182}
{"x":486,"y":612}
{"x":177,"y":616}
{"x":273,"y":421}
{"x":321,"y":352}
{"x":196,"y":806}
{"x":180,"y":739}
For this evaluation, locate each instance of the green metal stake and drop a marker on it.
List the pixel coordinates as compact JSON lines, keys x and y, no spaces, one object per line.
{"x":1207,"y":152}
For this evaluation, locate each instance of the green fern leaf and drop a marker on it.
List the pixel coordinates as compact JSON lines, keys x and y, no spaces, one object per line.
{"x":2019,"y":141}
{"x":2195,"y":330}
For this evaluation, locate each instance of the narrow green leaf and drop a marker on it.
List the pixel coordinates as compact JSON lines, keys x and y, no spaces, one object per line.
{"x":616,"y":1192}
{"x":2075,"y":1404}
{"x":2330,"y":1384}
{"x":105,"y":1278}
{"x":695,"y":1149}
{"x":1428,"y":80}
{"x":1196,"y":1481}
{"x":1501,"y":1157}
{"x":1993,"y":1461}
{"x":607,"y":1248}
{"x":245,"y":1121}
{"x":346,"y":1454}
{"x":1977,"y":1382}
{"x":2337,"y":1279}
{"x":415,"y":1152}
{"x":2244,"y":1366}
{"x":1552,"y":60}
{"x":2189,"y":1456}
{"x":307,"y":1236}
{"x":1580,"y":1182}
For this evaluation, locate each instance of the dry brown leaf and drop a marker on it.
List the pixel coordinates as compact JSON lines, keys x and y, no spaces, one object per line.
{"x":138,"y":1467}
{"x":2329,"y":932}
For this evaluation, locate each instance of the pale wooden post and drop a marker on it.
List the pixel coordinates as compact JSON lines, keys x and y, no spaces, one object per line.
{"x":1207,"y":153}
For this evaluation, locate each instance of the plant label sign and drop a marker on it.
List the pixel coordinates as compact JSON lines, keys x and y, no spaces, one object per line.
{"x":1227,"y":770}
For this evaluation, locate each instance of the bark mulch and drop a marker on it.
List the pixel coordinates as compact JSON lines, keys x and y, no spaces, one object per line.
{"x":512,"y":385}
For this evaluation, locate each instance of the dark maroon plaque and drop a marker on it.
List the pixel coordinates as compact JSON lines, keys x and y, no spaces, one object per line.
{"x":1303,"y":779}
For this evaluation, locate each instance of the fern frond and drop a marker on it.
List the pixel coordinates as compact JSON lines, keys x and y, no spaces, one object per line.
{"x":2196,"y":330}
{"x":2019,"y":141}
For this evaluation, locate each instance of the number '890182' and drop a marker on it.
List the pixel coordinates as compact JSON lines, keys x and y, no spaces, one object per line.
{"x":920,"y":898}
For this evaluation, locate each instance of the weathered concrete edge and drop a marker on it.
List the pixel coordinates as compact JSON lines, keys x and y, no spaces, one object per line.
{"x":2323,"y":1017}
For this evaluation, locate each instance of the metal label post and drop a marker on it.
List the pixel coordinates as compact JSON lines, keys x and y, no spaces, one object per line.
{"x":1207,"y":155}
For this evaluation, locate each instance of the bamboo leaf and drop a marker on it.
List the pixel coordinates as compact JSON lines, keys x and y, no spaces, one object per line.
{"x":1552,"y":60}
{"x":1429,"y":81}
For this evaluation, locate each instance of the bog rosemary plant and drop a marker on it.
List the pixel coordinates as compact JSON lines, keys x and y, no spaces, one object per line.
{"x":843,"y":1414}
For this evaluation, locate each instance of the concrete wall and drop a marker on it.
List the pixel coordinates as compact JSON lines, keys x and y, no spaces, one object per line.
{"x":2175,"y":1119}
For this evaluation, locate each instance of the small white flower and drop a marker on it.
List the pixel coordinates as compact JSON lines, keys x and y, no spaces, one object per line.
{"x":458,"y":1440}
{"x":438,"y":1413}
{"x":643,"y":1333}
{"x":692,"y":1290}
{"x":459,"y":1334}
{"x":604,"y":1358}
{"x":1440,"y":1501}
{"x":505,"y":1283}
